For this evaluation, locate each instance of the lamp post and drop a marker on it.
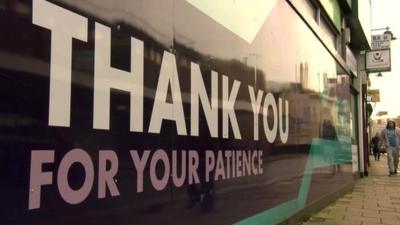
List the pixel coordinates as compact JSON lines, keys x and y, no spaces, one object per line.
{"x":377,"y":61}
{"x":387,"y":31}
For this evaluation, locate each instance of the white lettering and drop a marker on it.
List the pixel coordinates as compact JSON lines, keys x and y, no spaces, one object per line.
{"x":198,"y":91}
{"x":107,"y":77}
{"x":283,"y":134}
{"x":38,"y":178}
{"x":228,"y":112}
{"x":161,"y":109}
{"x":256,"y":106}
{"x":270,"y":134}
{"x":139,"y":165}
{"x":67,"y":193}
{"x":210,"y":163}
{"x":64,"y":26}
{"x":159,"y":155}
{"x":106,"y":177}
{"x":193,"y":166}
{"x":178,"y":181}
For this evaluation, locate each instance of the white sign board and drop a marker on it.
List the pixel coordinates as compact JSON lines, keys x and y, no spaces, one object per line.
{"x":381,"y":41}
{"x":378,"y":60}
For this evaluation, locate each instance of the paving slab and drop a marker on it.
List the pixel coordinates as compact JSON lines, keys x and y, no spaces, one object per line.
{"x":375,"y":200}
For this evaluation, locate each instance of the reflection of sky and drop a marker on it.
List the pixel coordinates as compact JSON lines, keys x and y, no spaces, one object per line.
{"x":283,"y":43}
{"x":278,"y":49}
{"x":160,"y":25}
{"x":243,"y":18}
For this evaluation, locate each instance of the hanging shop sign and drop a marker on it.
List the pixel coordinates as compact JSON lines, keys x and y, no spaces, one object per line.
{"x":378,"y":60}
{"x":374,"y":95}
{"x":381,"y":41}
{"x":381,"y":113}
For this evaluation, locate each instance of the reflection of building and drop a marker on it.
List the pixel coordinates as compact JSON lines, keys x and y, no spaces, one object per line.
{"x":384,"y":121}
{"x":304,"y":75}
{"x":313,"y":107}
{"x":344,"y":28}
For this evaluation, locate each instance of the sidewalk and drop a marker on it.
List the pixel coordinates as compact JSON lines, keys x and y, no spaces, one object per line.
{"x":374,"y":200}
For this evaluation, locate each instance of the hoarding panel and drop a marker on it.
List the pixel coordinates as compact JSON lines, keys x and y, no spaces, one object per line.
{"x":166,"y":121}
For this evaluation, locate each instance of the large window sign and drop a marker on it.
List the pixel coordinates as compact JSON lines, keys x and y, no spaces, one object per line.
{"x":158,"y":112}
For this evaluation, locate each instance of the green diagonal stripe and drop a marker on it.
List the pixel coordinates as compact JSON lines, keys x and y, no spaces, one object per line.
{"x":323,"y":153}
{"x":271,"y":216}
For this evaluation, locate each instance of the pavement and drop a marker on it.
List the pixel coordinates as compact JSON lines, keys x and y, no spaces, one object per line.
{"x":375,"y":200}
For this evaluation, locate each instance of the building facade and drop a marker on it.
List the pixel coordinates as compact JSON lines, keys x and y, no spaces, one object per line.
{"x":179,"y":111}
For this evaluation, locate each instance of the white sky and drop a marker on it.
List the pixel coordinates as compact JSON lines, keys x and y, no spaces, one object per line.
{"x":386,"y":13}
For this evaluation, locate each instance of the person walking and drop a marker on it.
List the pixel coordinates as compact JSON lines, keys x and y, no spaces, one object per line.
{"x":390,"y":138}
{"x":375,"y":146}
